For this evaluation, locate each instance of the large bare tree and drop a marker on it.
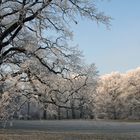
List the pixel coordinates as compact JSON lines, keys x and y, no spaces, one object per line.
{"x":46,"y":21}
{"x":37,"y":31}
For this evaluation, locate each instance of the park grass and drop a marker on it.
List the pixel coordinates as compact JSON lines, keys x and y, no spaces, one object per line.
{"x":39,"y":132}
{"x":39,"y":135}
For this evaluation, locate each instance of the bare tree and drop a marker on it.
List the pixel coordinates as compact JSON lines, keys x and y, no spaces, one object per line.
{"x":20,"y":21}
{"x":33,"y":40}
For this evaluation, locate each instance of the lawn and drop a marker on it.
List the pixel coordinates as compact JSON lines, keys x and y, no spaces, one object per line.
{"x":71,"y":130}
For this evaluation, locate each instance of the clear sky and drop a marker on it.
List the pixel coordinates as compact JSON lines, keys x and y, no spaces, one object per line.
{"x":117,"y":49}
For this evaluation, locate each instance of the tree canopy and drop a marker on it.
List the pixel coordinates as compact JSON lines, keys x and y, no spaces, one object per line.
{"x":44,"y":23}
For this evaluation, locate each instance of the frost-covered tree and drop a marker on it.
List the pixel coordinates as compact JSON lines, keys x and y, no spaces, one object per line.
{"x":118,"y":96}
{"x":72,"y":96}
{"x":33,"y":40}
{"x":44,"y":24}
{"x":46,"y":21}
{"x":58,"y":96}
{"x":131,"y":94}
{"x":108,"y":96}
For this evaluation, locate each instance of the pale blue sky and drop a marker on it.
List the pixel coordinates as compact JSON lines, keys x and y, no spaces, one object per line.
{"x":117,"y":49}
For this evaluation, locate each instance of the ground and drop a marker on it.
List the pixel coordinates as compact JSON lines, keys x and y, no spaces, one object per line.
{"x":71,"y":130}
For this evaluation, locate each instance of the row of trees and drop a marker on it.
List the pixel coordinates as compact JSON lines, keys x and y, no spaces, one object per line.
{"x":84,"y":95}
{"x":39,"y":72}
{"x":45,"y":95}
{"x":118,"y":96}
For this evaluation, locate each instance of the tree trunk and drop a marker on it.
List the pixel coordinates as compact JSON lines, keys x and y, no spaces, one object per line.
{"x":67,"y":113}
{"x":81,"y":112}
{"x":28,"y":110}
{"x":45,"y":112}
{"x":73,"y":113}
{"x":59,"y":113}
{"x":114,"y":113}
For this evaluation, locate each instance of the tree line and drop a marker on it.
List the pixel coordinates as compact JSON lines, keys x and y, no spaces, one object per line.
{"x":118,"y":96}
{"x":42,"y":77}
{"x":81,"y":96}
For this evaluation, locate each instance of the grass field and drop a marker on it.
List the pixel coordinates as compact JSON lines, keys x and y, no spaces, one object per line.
{"x":71,"y":130}
{"x":65,"y":136}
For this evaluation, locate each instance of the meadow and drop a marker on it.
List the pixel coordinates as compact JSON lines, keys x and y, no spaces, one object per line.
{"x":71,"y":130}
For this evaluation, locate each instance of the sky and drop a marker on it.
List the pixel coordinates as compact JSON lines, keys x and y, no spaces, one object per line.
{"x":114,"y":49}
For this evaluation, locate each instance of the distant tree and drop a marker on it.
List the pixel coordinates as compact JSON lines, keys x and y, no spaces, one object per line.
{"x":108,"y":96}
{"x":131,"y":95}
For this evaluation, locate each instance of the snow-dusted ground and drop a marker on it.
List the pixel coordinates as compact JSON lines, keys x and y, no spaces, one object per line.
{"x":80,"y":126}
